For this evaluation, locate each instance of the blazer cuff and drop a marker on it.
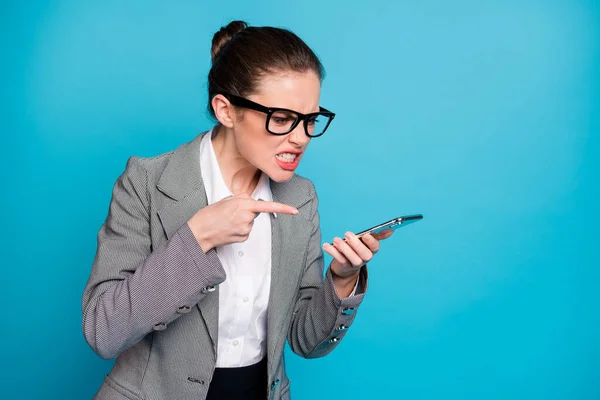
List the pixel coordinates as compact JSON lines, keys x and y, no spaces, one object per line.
{"x":359,"y":290}
{"x":361,"y":283}
{"x":208,"y":263}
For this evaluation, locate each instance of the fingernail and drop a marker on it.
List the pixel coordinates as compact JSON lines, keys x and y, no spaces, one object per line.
{"x":349,"y":235}
{"x":296,"y":212}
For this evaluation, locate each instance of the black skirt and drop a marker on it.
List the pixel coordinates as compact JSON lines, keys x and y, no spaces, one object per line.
{"x":243,"y":383}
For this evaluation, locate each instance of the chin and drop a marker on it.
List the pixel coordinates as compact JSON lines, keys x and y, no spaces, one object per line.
{"x":280,"y":176}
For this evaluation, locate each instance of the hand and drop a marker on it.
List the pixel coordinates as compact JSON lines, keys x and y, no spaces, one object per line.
{"x":350,"y":255}
{"x":230,"y":220}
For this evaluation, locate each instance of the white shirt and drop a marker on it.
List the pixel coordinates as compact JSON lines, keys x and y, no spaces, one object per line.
{"x":244,"y":295}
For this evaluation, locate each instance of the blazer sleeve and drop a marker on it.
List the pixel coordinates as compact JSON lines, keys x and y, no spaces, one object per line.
{"x":321,"y":318}
{"x":134,"y":289}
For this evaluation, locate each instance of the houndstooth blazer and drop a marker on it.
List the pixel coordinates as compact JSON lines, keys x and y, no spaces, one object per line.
{"x":151,"y":300}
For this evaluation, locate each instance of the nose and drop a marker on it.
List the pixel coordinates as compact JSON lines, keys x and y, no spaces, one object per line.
{"x":298,"y":136}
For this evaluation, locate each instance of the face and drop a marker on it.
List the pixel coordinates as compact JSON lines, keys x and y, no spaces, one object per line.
{"x":276,"y":156}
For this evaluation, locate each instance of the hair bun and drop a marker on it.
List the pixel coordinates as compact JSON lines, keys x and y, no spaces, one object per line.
{"x":224,"y":35}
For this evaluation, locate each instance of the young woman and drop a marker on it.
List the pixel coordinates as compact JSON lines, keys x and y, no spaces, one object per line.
{"x":211,"y":254}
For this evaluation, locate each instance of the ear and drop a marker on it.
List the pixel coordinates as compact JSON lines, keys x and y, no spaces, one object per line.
{"x":223,"y":110}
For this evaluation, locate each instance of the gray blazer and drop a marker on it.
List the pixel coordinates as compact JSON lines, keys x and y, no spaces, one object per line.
{"x":152,"y":297}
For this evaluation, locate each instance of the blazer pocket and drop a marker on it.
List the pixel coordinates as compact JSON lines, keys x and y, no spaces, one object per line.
{"x":112,"y":390}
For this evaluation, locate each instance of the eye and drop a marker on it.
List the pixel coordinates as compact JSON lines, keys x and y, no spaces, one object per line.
{"x":281,"y":120}
{"x":313,"y":120}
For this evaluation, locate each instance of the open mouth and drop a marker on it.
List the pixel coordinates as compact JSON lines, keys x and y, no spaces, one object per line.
{"x":288,"y":161}
{"x":287,"y":157}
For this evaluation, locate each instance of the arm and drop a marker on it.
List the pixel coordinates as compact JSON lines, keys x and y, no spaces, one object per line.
{"x":321,"y":317}
{"x":134,"y":289}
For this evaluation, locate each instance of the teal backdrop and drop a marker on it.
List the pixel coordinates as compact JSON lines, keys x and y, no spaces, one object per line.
{"x":484,"y":116}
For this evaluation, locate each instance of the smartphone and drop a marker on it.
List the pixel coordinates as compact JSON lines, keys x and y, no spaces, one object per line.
{"x":392,"y":224}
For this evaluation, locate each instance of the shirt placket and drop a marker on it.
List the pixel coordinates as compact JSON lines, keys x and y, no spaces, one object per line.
{"x":243,"y":301}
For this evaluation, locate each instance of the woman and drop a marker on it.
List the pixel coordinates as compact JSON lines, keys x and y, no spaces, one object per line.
{"x":210,"y":255}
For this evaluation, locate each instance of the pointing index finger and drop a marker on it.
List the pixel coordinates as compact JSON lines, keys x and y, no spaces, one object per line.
{"x":259,"y":206}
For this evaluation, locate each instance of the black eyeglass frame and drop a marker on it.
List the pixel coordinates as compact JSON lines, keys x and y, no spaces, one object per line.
{"x":251,"y":105}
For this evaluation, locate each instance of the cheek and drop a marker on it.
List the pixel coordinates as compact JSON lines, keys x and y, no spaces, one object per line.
{"x":254,"y":142}
{"x":249,"y":132}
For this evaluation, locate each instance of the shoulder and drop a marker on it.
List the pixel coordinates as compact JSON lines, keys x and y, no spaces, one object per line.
{"x":151,"y":163}
{"x":154,"y":166}
{"x":143,"y":172}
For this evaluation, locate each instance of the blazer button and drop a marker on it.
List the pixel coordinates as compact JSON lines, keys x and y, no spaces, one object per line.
{"x":348,"y":311}
{"x":333,"y":340}
{"x":160,"y":326}
{"x":275,"y":384}
{"x":341,"y":328}
{"x":208,"y":289}
{"x":183,"y":310}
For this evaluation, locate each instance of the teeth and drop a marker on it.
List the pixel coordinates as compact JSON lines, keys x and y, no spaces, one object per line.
{"x":286,"y":157}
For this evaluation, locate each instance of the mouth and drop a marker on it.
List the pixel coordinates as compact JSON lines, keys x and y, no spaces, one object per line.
{"x":288,"y":160}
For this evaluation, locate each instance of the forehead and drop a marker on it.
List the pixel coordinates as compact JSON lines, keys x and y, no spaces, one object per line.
{"x":299,"y":91}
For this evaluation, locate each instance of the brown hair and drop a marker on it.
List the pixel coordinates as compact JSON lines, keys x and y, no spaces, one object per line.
{"x":242,"y":54}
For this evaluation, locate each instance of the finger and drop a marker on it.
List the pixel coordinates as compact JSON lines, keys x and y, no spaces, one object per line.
{"x":257,"y":206}
{"x":359,"y":247}
{"x":371,"y":243}
{"x":256,"y":214}
{"x":333,"y":252}
{"x":245,"y":229}
{"x":383,"y":234}
{"x":239,"y":238}
{"x":347,"y":251}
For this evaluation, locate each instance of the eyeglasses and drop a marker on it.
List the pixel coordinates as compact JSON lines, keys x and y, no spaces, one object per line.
{"x":281,"y":121}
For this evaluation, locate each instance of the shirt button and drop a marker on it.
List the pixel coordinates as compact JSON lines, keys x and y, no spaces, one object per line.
{"x":240,"y":253}
{"x":235,"y":342}
{"x":246,"y":299}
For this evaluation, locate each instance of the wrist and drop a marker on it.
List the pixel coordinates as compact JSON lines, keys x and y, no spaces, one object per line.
{"x":344,"y":285}
{"x":345,"y":280}
{"x":205,"y":245}
{"x":202,"y":238}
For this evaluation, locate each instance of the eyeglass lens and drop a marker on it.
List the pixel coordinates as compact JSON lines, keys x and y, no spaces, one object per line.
{"x":282,"y":122}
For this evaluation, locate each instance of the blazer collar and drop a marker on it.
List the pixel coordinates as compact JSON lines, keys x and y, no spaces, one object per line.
{"x":182,"y":174}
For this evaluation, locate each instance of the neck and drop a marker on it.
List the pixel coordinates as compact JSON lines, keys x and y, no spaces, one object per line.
{"x":239,"y":175}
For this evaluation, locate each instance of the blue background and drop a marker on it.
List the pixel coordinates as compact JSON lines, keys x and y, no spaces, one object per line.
{"x":484,"y":116}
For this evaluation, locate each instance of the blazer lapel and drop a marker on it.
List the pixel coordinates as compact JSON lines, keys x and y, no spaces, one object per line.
{"x":289,"y":239}
{"x":181,"y":181}
{"x":175,"y":213}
